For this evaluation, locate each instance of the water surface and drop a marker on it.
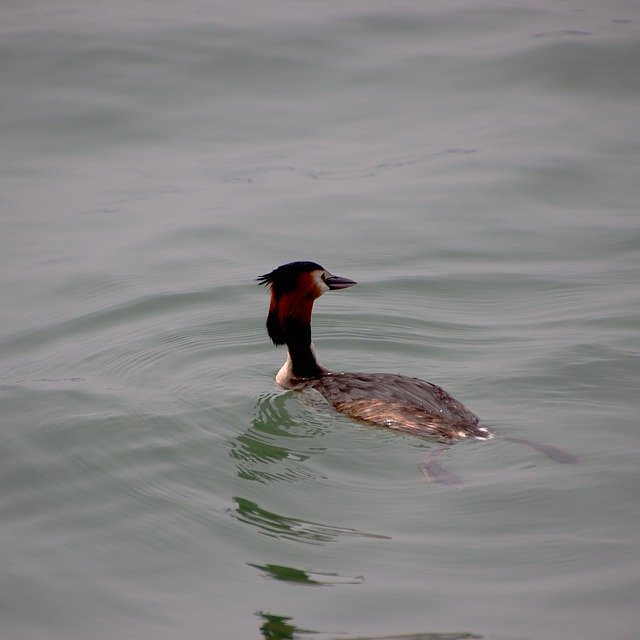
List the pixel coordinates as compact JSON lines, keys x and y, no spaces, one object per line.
{"x":472,"y":165}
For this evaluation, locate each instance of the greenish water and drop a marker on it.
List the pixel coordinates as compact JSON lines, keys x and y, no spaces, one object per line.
{"x":472,"y":166}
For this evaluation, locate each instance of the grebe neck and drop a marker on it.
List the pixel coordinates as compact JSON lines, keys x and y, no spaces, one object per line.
{"x":301,"y":357}
{"x":294,"y":287}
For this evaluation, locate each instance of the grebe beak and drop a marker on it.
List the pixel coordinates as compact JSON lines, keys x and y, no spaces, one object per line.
{"x":338,"y":282}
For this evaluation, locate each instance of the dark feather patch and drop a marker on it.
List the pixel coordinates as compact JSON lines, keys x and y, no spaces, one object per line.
{"x":274,"y":328}
{"x":285,"y":277}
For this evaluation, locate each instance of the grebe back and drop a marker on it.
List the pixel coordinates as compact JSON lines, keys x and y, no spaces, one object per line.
{"x":382,"y":399}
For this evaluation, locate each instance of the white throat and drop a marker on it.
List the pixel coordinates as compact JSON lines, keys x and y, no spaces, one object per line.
{"x":285,"y":377}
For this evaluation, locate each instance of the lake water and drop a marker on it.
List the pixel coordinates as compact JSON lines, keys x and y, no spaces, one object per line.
{"x":473,"y":165}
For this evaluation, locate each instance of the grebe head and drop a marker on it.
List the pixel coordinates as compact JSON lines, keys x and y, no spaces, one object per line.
{"x":303,"y":278}
{"x":294,"y":287}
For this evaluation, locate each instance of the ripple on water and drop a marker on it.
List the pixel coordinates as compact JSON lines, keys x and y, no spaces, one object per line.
{"x":277,"y":445}
{"x":102,"y":476}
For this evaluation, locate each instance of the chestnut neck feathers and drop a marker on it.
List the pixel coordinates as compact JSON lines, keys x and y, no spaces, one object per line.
{"x":294,"y":288}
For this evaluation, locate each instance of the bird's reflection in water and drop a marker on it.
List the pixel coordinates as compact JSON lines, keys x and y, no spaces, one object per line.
{"x":277,"y":445}
{"x":277,"y":627}
{"x":308,"y":578}
{"x":278,"y":526}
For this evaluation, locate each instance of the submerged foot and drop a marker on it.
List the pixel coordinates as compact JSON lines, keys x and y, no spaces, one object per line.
{"x":431,"y":468}
{"x":553,"y":453}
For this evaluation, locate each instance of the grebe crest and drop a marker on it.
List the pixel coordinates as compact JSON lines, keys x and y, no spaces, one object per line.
{"x":382,"y":399}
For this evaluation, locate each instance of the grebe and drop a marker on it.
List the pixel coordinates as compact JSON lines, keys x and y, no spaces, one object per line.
{"x":382,"y":399}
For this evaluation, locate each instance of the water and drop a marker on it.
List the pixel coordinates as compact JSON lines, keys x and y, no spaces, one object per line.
{"x":472,"y":165}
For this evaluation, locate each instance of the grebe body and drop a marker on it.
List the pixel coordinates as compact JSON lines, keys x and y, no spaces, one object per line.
{"x":387,"y":400}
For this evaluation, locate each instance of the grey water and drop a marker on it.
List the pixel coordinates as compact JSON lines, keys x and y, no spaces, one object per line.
{"x":473,"y":165}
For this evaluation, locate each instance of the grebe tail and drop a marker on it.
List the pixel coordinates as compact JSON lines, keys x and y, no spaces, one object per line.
{"x":388,"y":400}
